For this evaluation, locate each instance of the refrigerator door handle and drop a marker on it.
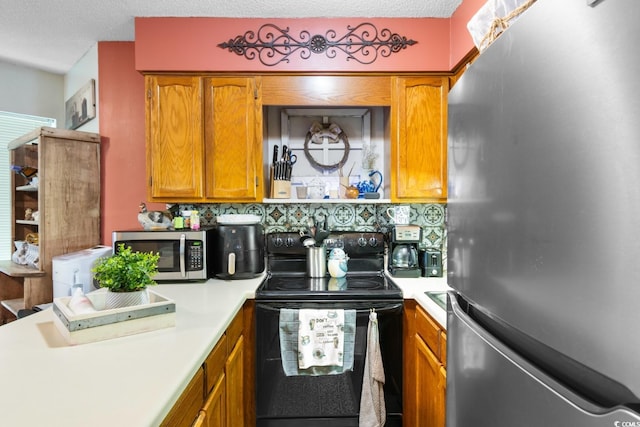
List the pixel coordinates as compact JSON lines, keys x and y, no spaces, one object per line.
{"x":579,"y":395}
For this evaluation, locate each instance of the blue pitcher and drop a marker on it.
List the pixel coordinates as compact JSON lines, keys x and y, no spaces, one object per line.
{"x":369,"y":185}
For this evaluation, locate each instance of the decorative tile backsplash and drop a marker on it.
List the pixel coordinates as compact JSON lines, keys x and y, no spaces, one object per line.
{"x":343,"y":217}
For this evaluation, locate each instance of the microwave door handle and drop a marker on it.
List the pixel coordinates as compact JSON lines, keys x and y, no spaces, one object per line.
{"x":183,"y":243}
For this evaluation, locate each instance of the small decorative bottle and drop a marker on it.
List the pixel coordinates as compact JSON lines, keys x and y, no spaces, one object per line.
{"x":186,"y":215}
{"x":195,"y":220}
{"x":79,"y":303}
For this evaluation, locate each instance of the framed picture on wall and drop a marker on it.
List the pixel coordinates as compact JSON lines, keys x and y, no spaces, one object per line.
{"x":81,"y":107}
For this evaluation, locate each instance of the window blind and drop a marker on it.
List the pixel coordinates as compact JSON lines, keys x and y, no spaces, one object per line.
{"x":12,"y":126}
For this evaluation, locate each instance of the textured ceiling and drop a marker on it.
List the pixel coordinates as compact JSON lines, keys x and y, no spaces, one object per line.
{"x":52,"y":35}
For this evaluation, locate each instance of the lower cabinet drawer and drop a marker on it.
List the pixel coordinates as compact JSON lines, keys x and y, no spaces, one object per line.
{"x":429,"y":331}
{"x":188,"y":406}
{"x":214,"y":363}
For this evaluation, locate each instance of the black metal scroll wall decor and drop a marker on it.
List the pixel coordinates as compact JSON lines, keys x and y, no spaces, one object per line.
{"x":272,"y":45}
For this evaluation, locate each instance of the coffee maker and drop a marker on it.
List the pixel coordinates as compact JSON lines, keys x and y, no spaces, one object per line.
{"x":403,"y":249}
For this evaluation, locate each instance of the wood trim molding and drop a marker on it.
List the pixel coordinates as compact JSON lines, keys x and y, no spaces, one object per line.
{"x":462,"y":66}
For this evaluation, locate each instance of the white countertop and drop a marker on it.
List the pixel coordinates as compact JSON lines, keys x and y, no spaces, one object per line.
{"x":134,"y":380}
{"x":128,"y":381}
{"x":416,"y":288}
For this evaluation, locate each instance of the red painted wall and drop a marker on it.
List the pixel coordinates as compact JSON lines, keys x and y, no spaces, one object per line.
{"x":123,"y":138}
{"x":461,"y":41}
{"x":191,"y":44}
{"x":185,"y":44}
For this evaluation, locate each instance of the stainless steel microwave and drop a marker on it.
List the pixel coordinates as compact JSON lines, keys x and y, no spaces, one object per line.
{"x":184,"y":254}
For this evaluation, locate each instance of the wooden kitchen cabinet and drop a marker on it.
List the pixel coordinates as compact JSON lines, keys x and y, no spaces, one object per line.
{"x":186,"y":409}
{"x":419,"y":139}
{"x":430,"y":386}
{"x":225,"y":378}
{"x":175,"y":138}
{"x":204,"y":139}
{"x":233,"y":139}
{"x":425,"y":369}
{"x":235,"y":386}
{"x":214,"y":413}
{"x":204,"y":133}
{"x":225,"y":396}
{"x":67,"y":199}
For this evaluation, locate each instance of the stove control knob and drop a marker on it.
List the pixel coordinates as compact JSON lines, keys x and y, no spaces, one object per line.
{"x":362,"y":242}
{"x":290,"y":242}
{"x":373,"y":241}
{"x":277,"y":242}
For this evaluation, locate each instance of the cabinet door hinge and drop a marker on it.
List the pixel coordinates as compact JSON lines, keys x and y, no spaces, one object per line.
{"x":257,"y":182}
{"x":150,"y":181}
{"x":149,"y":93}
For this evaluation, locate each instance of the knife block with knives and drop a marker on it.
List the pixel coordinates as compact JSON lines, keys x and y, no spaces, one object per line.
{"x":280,"y":178}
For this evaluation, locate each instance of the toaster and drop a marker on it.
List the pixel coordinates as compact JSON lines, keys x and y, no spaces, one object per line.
{"x":430,"y":262}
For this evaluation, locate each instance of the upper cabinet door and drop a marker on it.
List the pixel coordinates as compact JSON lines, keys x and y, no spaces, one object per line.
{"x":233,"y":135}
{"x":419,"y":139}
{"x":175,"y":143}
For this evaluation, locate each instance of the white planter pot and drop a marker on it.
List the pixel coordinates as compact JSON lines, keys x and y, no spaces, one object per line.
{"x":126,"y":299}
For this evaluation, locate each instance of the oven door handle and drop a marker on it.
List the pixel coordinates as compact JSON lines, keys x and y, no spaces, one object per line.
{"x":361,"y":307}
{"x":388,"y":308}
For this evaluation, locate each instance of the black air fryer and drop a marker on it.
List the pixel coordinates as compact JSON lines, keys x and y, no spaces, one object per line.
{"x":238,"y":251}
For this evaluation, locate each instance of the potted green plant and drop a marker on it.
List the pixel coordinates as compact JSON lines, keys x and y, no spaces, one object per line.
{"x":126,"y":274}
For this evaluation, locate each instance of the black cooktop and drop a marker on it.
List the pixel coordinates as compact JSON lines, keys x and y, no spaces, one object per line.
{"x":365,"y":280}
{"x":365,"y":286}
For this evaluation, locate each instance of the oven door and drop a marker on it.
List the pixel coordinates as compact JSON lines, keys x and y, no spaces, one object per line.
{"x":325,"y":400}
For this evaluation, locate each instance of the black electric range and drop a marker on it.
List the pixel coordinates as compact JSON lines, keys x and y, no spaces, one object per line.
{"x":287,"y":400}
{"x":365,"y":279}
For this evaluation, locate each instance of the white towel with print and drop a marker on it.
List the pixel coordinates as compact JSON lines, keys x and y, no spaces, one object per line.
{"x":320,"y":338}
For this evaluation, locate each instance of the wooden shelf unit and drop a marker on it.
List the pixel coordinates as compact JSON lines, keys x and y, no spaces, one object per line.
{"x":68,"y":201}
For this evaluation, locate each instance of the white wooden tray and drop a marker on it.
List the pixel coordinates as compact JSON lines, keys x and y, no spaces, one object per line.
{"x":159,"y":313}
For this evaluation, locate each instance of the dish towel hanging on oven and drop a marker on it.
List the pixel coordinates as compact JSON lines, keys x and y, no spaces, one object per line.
{"x":317,"y":342}
{"x":320,"y":338}
{"x":373,"y":412}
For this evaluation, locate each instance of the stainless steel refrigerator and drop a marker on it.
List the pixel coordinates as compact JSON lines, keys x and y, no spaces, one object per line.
{"x":544,"y":223}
